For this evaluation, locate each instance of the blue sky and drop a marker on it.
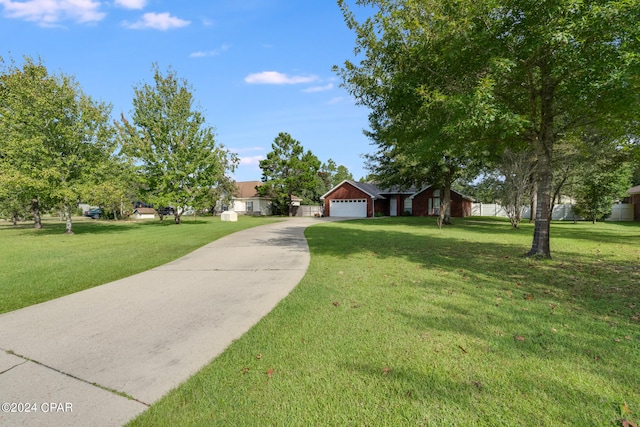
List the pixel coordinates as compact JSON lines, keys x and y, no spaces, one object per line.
{"x":257,"y":67}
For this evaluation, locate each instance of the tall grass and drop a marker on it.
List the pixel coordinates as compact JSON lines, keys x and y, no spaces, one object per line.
{"x":399,"y":323}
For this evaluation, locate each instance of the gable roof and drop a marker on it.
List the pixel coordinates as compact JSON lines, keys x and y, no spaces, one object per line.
{"x":368,"y":188}
{"x":375,"y":192}
{"x":634,"y":190}
{"x":247,"y":189}
{"x":144,"y":211}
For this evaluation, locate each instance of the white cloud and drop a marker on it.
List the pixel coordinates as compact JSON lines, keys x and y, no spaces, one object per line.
{"x":132,"y":4}
{"x":318,"y":88}
{"x":246,"y":149}
{"x":214,"y":52}
{"x":48,"y":13}
{"x":336,"y":100}
{"x":251,"y":160}
{"x":157,"y":21}
{"x":276,"y":78}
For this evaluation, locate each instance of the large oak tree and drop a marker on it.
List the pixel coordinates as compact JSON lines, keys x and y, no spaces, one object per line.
{"x":469,"y":77}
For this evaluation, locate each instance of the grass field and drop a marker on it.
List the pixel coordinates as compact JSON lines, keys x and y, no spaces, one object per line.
{"x":399,"y":323}
{"x":39,"y":265}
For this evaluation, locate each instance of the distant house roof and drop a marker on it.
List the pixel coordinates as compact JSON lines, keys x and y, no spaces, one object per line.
{"x":247,"y":189}
{"x":634,"y":190}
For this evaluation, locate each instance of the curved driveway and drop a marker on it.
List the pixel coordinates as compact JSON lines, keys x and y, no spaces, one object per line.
{"x":69,"y":359}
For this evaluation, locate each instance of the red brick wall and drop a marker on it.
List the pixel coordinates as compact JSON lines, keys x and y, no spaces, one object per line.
{"x":348,"y":191}
{"x":635,"y":199}
{"x":460,"y":207}
{"x":421,"y":203}
{"x":382,"y":206}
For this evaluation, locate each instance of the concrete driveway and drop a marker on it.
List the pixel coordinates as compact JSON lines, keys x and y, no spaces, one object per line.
{"x":68,"y":362}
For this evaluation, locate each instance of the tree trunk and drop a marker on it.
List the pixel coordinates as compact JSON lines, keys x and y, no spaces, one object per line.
{"x":290,"y":205}
{"x":445,"y":208}
{"x":176,"y":217}
{"x":543,"y":144}
{"x":67,"y":212}
{"x":35,"y":209}
{"x":534,"y":198}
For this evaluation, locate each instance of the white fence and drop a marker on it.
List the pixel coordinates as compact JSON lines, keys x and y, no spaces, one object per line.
{"x":621,"y":212}
{"x":561,"y":212}
{"x":306,"y":210}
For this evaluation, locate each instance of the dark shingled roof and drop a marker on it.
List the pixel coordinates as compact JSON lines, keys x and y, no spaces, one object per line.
{"x":634,"y":190}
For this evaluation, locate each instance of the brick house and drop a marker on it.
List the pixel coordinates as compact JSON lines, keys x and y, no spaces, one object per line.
{"x":634,"y":198}
{"x":362,"y":200}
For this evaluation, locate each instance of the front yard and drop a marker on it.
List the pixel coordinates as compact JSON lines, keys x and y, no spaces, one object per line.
{"x":395,"y":323}
{"x":399,"y":323}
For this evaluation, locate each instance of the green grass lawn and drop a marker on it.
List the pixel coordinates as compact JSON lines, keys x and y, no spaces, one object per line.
{"x":39,"y":265}
{"x":399,"y":323}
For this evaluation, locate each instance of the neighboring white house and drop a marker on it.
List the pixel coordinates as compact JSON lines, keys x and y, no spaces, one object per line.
{"x":247,"y":201}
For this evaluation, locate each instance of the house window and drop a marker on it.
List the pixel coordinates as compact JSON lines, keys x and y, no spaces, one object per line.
{"x":250,"y":206}
{"x":408,"y":205}
{"x":434,"y":206}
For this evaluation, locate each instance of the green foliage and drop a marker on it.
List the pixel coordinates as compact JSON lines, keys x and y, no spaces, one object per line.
{"x":599,"y":189}
{"x":484,"y":190}
{"x":288,"y":171}
{"x":451,"y":83}
{"x":180,"y":161}
{"x":54,"y":136}
{"x":330,"y":175}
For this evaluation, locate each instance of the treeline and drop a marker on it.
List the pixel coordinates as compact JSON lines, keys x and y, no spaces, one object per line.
{"x":289,"y":172}
{"x":60,"y":147}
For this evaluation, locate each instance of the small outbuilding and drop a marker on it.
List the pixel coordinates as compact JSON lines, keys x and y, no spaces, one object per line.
{"x":229,"y":216}
{"x":144,"y":213}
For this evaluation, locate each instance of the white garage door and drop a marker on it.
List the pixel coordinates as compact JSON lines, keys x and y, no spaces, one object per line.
{"x":356,"y":208}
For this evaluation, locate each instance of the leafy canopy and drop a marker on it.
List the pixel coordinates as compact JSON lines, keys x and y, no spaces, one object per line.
{"x":459,"y":80}
{"x":54,"y":136}
{"x":288,"y":171}
{"x":179,"y":160}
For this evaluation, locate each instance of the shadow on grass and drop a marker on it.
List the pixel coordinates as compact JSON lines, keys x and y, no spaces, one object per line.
{"x":574,"y":312}
{"x":601,"y":283}
{"x":50,"y":228}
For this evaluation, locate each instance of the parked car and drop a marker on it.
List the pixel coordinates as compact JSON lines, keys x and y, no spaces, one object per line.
{"x":93,"y":213}
{"x":165,"y":211}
